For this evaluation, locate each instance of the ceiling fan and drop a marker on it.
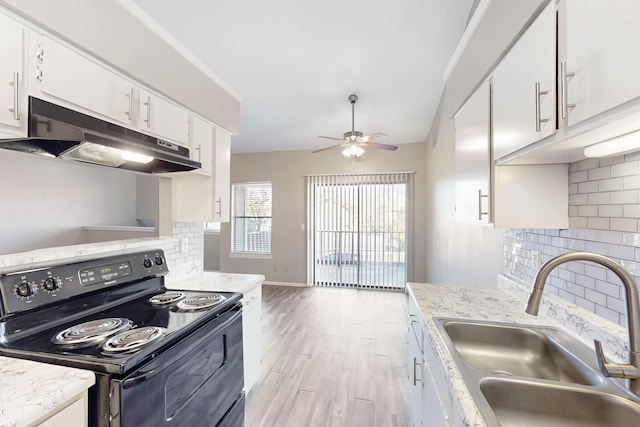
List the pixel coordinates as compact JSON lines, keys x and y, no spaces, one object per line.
{"x":354,"y":141}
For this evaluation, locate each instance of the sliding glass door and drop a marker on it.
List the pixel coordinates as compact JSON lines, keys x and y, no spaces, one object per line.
{"x":358,"y":230}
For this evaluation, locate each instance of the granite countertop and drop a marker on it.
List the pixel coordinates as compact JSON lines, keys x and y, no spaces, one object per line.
{"x":214,"y":281}
{"x":31,"y":390}
{"x":504,"y":303}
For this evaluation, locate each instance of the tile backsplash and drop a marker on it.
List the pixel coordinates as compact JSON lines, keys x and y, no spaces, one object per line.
{"x":190,"y":260}
{"x":604,"y":216}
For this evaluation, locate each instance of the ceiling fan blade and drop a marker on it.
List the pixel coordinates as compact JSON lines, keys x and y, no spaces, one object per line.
{"x":327,"y":148}
{"x":331,"y":137}
{"x":377,"y":135}
{"x":381,"y":146}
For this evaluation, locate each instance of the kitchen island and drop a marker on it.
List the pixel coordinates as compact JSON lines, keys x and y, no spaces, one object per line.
{"x":449,"y":398}
{"x":32,"y":393}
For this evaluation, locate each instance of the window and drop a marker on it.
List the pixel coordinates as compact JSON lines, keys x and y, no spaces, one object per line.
{"x":251,"y":218}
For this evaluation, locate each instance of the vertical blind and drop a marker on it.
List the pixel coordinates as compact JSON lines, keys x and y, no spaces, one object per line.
{"x":359,"y":229}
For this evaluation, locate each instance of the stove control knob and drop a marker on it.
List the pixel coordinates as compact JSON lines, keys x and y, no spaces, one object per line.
{"x":147,"y":263}
{"x":24,"y":290}
{"x":51,"y":284}
{"x":159,"y":260}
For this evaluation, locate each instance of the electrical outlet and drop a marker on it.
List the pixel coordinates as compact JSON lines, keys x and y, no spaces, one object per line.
{"x":536,"y":259}
{"x":184,"y":246}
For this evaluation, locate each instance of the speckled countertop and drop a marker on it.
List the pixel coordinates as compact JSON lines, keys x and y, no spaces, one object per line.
{"x":504,"y":303}
{"x":213,"y":281}
{"x":31,"y":390}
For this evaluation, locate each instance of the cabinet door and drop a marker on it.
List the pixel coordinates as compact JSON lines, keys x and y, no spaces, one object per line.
{"x":602,"y":39}
{"x":433,"y":412}
{"x":163,"y":119}
{"x":11,"y":87}
{"x":201,"y":144}
{"x":524,"y":88}
{"x":222,"y":172}
{"x":74,"y":415}
{"x":415,"y":366}
{"x":472,"y":158}
{"x":72,"y":77}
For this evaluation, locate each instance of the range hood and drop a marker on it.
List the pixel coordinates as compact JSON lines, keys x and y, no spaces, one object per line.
{"x":56,"y":131}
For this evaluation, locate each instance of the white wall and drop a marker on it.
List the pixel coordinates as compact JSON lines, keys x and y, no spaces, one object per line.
{"x":46,"y":202}
{"x":286,"y":171}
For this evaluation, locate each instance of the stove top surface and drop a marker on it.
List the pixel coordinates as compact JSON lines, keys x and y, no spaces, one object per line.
{"x":164,"y":323}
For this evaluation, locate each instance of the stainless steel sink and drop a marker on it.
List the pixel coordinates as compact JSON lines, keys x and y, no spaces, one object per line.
{"x":525,"y":375}
{"x":524,"y":404}
{"x":517,"y":350}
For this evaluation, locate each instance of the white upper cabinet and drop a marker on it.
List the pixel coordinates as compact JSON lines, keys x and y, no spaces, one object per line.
{"x":13,"y":108}
{"x":527,"y":196}
{"x":602,"y":39}
{"x":72,"y":77}
{"x":201,"y":139}
{"x":524,"y":82}
{"x":472,"y":157}
{"x":222,"y":172}
{"x":162,"y":118}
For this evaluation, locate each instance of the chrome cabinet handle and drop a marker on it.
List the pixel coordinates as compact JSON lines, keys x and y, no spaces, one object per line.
{"x":564,"y":105}
{"x":480,"y":197}
{"x":199,"y":150}
{"x":219,"y":203}
{"x":16,"y":96}
{"x":415,"y":365}
{"x":539,"y":93}
{"x":130,"y":111}
{"x":148,"y":104}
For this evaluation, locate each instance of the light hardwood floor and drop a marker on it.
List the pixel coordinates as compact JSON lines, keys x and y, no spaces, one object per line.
{"x":331,"y":357}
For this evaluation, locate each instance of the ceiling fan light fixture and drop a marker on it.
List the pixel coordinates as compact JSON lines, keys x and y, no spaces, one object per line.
{"x":353,"y":151}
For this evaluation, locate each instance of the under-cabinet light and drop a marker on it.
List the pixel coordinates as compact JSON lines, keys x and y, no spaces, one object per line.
{"x":136,"y":157}
{"x":619,"y":145}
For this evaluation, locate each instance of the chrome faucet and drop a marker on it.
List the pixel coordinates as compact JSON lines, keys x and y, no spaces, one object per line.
{"x":630,"y":371}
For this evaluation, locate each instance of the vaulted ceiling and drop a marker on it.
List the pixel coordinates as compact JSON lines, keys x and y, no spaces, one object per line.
{"x":294,"y":63}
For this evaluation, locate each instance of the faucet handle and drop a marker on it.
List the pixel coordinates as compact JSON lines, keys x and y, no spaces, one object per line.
{"x":614,"y":370}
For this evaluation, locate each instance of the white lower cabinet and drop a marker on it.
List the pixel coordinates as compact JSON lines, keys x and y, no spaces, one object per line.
{"x":426,"y":407}
{"x":252,"y":336}
{"x":74,"y":415}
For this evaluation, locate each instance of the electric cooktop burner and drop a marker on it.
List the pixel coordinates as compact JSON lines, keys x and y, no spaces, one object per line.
{"x":91,"y":333}
{"x":200,"y":302}
{"x":166,"y":298}
{"x":132,"y":340}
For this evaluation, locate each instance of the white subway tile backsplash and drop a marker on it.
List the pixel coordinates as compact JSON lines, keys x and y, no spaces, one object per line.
{"x":581,"y":176}
{"x":604,"y":217}
{"x":599,"y":173}
{"x":588,"y":187}
{"x":598,"y":223}
{"x":611,"y":184}
{"x":624,"y":169}
{"x":587,"y":164}
{"x":631,"y":182}
{"x":610,"y":211}
{"x":624,"y":197}
{"x":623,"y":224}
{"x":598,"y":198}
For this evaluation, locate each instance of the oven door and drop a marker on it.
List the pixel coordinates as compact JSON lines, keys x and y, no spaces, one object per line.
{"x":195,"y":382}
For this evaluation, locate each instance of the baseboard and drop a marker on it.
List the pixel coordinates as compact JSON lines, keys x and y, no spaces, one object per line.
{"x":296,"y":285}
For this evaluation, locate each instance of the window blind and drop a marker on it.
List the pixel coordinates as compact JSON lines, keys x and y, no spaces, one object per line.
{"x":359,"y":229}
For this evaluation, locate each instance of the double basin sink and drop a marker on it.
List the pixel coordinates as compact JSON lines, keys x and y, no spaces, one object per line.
{"x":522,"y":375}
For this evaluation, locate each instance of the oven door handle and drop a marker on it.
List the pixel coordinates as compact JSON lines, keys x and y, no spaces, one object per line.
{"x":129,"y":382}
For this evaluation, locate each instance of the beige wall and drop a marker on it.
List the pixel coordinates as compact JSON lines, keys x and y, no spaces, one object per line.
{"x":286,"y":171}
